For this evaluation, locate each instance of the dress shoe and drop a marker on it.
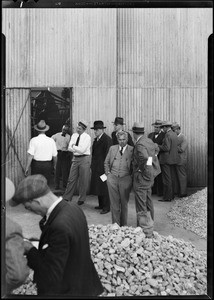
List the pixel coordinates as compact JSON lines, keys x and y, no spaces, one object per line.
{"x":182,"y":196}
{"x":104,"y":212}
{"x":80,"y":202}
{"x":98,"y":207}
{"x":165,"y":200}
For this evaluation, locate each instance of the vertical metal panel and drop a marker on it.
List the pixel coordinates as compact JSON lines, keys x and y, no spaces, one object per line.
{"x":17,"y":117}
{"x":162,"y":74}
{"x":93,"y":104}
{"x":60,"y":47}
{"x":163,"y":47}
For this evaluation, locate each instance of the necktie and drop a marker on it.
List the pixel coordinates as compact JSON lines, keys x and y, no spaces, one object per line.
{"x":42,"y":222}
{"x":121,"y":151}
{"x":77,"y":141}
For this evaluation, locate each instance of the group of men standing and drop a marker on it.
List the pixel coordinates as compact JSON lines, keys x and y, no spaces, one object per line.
{"x":153,"y":164}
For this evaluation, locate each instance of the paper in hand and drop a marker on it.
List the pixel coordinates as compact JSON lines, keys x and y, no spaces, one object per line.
{"x":149,"y":161}
{"x":103,"y":177}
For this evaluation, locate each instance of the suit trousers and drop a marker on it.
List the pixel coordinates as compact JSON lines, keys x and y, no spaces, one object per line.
{"x":79,"y":173}
{"x":42,"y":167}
{"x":119,"y":190}
{"x":143,"y":195}
{"x":62,"y":168}
{"x":168,"y":181}
{"x":104,"y":202}
{"x":181,"y":171}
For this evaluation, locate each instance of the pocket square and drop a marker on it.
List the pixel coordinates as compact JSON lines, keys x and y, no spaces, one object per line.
{"x":44,"y":246}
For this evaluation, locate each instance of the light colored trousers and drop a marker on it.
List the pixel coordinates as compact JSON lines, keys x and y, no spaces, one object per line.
{"x":80,"y":171}
{"x":119,"y":189}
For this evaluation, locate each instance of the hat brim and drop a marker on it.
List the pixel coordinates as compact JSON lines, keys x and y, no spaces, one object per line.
{"x":42,"y":130}
{"x":155,"y":124}
{"x":166,"y":125}
{"x":99,"y":127}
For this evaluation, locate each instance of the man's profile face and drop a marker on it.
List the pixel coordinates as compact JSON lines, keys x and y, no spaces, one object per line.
{"x":35,"y":207}
{"x":118,"y":127}
{"x":157,"y":129}
{"x":98,"y":132}
{"x":80,"y":130}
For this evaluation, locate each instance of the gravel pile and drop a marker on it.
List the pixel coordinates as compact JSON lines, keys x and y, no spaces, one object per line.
{"x":191,"y":213}
{"x":129,"y":264}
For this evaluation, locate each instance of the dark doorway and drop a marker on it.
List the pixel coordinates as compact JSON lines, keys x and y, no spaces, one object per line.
{"x":52,"y":105}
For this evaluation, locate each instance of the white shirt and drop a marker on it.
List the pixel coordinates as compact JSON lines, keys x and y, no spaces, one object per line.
{"x":50,"y":209}
{"x":83,"y":146}
{"x":124,"y":148}
{"x":62,"y":142}
{"x":42,"y":148}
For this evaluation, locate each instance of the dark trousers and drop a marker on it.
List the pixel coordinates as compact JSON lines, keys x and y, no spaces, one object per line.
{"x":168,"y":181}
{"x":42,"y":167}
{"x":104,"y":202}
{"x":158,"y":186}
{"x":181,"y":171}
{"x":62,"y":168}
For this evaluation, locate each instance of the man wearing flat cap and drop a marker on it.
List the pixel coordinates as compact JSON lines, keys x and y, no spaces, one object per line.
{"x":157,"y":137}
{"x":79,"y":145}
{"x":168,"y":160}
{"x":118,"y":126}
{"x":145,"y":168}
{"x":42,"y":153}
{"x":100,"y":148}
{"x":62,"y":263}
{"x":181,"y":166}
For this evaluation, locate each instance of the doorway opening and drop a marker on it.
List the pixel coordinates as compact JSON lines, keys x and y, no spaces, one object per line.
{"x":53,"y":105}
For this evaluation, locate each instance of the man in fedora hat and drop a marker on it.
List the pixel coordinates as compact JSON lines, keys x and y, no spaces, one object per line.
{"x":157,"y":137}
{"x":62,"y":263}
{"x":145,"y":168}
{"x":42,"y":153}
{"x":168,"y":160}
{"x":118,"y":126}
{"x":79,"y":145}
{"x":181,"y":166}
{"x":16,"y":268}
{"x":100,"y":148}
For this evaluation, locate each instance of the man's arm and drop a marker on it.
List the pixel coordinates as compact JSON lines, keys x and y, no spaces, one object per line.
{"x":29,"y":160}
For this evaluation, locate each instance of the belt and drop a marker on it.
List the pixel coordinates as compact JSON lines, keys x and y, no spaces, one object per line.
{"x":81,"y":155}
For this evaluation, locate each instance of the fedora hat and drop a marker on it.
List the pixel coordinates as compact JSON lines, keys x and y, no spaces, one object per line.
{"x":98,"y":125}
{"x":138,"y":127}
{"x":166,"y":123}
{"x":41,"y":126}
{"x":118,"y":120}
{"x":33,"y":186}
{"x":9,"y":189}
{"x":175,"y":125}
{"x":157,"y":123}
{"x":83,"y":124}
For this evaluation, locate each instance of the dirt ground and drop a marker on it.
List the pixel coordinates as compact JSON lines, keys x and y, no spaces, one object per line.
{"x":29,"y":221}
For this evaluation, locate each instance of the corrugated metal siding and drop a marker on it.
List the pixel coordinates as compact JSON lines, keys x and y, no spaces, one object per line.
{"x":17,"y":117}
{"x":162,"y":74}
{"x":60,"y":47}
{"x":93,"y":104}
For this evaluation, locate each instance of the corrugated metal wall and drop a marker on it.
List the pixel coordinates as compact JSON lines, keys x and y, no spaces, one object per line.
{"x":17,"y":132}
{"x":141,"y":64}
{"x":162,"y":74}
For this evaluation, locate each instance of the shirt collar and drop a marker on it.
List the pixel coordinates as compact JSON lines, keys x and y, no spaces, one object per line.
{"x":50,"y":209}
{"x":124,"y":148}
{"x":99,"y":137}
{"x":138,"y":138}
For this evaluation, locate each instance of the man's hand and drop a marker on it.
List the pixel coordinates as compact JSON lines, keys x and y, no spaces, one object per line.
{"x":27,"y":245}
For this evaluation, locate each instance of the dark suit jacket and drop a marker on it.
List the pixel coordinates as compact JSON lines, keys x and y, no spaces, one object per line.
{"x":115,"y":141}
{"x":99,"y":151}
{"x":62,"y":265}
{"x":169,"y":149}
{"x":159,"y":139}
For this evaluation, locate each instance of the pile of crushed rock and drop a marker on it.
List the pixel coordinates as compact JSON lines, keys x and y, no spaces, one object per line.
{"x":129,"y":264}
{"x":191,"y":213}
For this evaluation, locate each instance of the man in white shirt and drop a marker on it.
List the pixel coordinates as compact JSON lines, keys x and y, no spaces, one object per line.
{"x":63,"y":164}
{"x":42,"y":153}
{"x":80,"y":145}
